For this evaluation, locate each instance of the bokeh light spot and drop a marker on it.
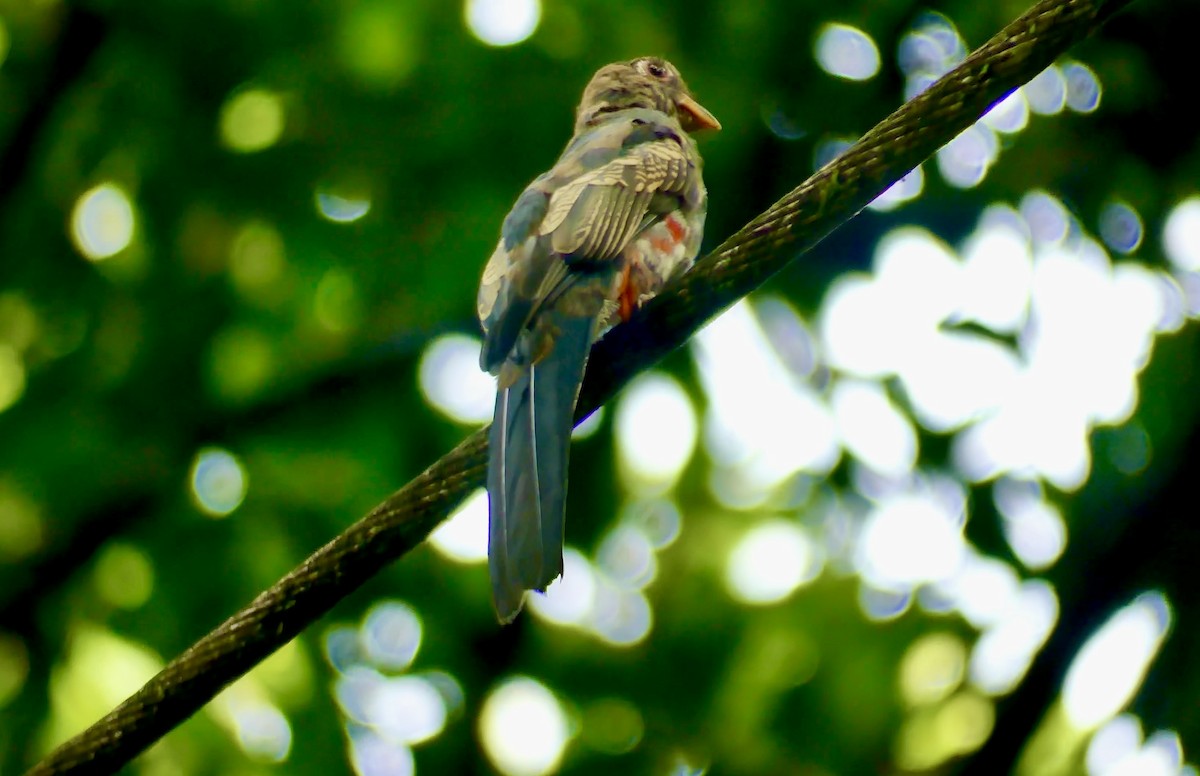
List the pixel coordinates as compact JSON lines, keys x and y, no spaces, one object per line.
{"x":1083,"y":87}
{"x":523,"y":728}
{"x":124,"y":576}
{"x":622,"y":617}
{"x":873,"y":429}
{"x":1010,"y":115}
{"x":406,"y":710}
{"x":656,"y":430}
{"x":23,"y":529}
{"x":964,"y":161}
{"x":463,"y":537}
{"x":770,"y":562}
{"x":378,"y":43}
{"x":341,"y":207}
{"x":1047,"y":92}
{"x":932,"y":667}
{"x":904,"y":190}
{"x":256,"y":258}
{"x":627,"y":556}
{"x":931,"y":48}
{"x":1121,"y":227}
{"x":1034,"y":528}
{"x":14,"y":667}
{"x":102,"y":222}
{"x":263,"y":732}
{"x":1110,"y":666}
{"x":12,"y":376}
{"x":242,"y":361}
{"x":503,"y":22}
{"x":612,"y":726}
{"x":453,"y":383}
{"x":908,"y":540}
{"x":391,"y":635}
{"x":1181,"y":234}
{"x":847,"y":52}
{"x":373,"y":755}
{"x":218,"y":482}
{"x":252,"y":120}
{"x":1005,"y":650}
{"x":336,"y":303}
{"x":570,"y":599}
{"x":1118,"y":739}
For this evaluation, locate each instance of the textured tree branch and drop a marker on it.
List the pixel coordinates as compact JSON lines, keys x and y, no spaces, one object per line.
{"x":743,"y":262}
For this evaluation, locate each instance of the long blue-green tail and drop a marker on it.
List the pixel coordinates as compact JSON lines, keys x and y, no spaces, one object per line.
{"x":527,"y":470}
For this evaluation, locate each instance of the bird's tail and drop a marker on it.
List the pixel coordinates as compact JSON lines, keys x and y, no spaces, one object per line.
{"x":527,"y":469}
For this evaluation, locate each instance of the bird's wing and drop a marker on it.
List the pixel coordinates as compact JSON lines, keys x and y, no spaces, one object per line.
{"x":572,"y":222}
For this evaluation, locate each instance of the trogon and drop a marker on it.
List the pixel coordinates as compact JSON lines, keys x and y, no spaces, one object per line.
{"x":618,"y":215}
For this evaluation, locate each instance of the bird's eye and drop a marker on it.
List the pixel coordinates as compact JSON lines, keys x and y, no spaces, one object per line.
{"x":656,"y":70}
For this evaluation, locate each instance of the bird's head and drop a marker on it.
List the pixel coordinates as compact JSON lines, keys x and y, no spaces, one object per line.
{"x":645,"y":82}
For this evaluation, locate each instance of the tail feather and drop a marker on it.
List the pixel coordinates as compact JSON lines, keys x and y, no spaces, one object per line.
{"x":527,"y":470}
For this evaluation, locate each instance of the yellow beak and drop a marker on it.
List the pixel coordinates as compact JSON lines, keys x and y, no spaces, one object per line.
{"x":693,"y":116}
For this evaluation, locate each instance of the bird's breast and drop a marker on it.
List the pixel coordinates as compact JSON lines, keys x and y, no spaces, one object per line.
{"x":657,"y":254}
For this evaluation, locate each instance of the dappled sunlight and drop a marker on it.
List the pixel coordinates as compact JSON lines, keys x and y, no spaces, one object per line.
{"x":742,"y":374}
{"x":523,"y":728}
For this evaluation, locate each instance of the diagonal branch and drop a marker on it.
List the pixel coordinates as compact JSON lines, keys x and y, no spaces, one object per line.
{"x":743,"y":262}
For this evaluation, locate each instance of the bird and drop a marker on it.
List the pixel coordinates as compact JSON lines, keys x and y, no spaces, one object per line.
{"x":619,"y":215}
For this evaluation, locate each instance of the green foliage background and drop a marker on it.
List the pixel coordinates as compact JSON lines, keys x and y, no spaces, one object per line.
{"x":133,"y":364}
